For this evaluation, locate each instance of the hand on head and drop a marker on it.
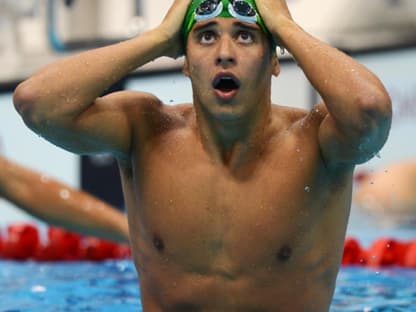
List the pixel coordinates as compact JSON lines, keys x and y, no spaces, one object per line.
{"x":274,"y":14}
{"x":171,"y":26}
{"x":272,"y":10}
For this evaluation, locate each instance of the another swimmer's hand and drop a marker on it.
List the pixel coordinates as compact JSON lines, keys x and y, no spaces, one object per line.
{"x":171,"y":27}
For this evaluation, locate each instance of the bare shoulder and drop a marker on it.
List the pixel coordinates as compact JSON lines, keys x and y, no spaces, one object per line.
{"x":287,"y":115}
{"x":129,"y":101}
{"x":185,"y":110}
{"x":143,"y":105}
{"x":292,"y":116}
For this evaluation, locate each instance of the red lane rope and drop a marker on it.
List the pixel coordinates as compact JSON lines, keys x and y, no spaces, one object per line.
{"x":383,"y":251}
{"x":23,"y":242}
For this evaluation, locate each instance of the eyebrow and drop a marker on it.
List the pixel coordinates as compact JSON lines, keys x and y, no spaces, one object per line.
{"x":246,"y":26}
{"x":204,"y":26}
{"x":250,"y":26}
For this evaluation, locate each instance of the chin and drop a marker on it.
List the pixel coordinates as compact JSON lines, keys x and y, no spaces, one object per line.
{"x":229,"y":112}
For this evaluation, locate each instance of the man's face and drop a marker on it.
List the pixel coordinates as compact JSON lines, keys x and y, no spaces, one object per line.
{"x":230,"y":64}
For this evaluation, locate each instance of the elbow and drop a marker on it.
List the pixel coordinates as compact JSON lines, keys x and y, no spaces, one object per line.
{"x":375,"y":105}
{"x":375,"y":109}
{"x":376,"y":118}
{"x":25,"y":100}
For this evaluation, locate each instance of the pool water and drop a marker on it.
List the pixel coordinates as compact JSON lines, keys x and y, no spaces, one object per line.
{"x":112,"y":286}
{"x":71,"y":287}
{"x":370,"y":290}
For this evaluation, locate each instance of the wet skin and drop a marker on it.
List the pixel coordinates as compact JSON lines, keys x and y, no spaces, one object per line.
{"x":257,"y":239}
{"x":241,"y":224}
{"x":234,"y":204}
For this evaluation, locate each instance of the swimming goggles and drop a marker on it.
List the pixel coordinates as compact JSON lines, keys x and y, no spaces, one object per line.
{"x":239,"y":9}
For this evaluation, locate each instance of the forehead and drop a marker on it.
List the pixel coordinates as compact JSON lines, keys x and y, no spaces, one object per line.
{"x":225,"y":22}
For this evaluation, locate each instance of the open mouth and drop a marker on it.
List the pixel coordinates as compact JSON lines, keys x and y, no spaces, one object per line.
{"x":226,"y":83}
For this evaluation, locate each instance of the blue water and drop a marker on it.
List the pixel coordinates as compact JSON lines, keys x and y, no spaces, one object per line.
{"x":112,"y":286}
{"x":70,"y":287}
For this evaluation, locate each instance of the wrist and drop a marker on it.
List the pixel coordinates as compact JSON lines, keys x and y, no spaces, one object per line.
{"x":281,"y":29}
{"x":169,"y":41}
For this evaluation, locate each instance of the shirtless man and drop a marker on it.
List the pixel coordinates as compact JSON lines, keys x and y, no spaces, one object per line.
{"x":58,"y":204}
{"x":234,"y":204}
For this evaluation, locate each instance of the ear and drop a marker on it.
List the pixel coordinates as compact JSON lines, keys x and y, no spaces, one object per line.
{"x":185,"y":68}
{"x":275,"y":64}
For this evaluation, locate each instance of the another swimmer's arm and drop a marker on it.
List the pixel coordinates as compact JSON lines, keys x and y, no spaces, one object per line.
{"x":59,"y":204}
{"x":358,"y":105}
{"x":59,"y":100}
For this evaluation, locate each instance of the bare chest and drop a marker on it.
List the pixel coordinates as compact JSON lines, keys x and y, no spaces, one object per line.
{"x":190,"y":206}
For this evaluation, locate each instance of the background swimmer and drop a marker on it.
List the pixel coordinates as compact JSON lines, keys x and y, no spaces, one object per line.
{"x":388,"y":194}
{"x":58,"y":204}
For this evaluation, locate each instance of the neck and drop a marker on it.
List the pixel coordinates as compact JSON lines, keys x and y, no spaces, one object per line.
{"x":235,"y":140}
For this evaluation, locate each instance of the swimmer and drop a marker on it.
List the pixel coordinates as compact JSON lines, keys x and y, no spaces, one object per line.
{"x":234,"y":203}
{"x":55,"y":203}
{"x":389,"y":194}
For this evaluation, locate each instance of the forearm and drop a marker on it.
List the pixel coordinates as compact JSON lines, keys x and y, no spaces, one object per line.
{"x":68,"y":87}
{"x":347,"y":87}
{"x":60,"y":205}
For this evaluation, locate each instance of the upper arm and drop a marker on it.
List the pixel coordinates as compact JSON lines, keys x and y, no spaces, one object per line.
{"x":353,"y":139}
{"x":105,"y":126}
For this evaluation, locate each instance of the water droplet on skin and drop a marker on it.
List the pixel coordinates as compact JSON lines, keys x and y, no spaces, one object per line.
{"x":307,"y":189}
{"x":64,"y":194}
{"x":44,"y":178}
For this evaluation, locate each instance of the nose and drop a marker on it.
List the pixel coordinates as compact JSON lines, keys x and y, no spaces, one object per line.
{"x":226,"y":55}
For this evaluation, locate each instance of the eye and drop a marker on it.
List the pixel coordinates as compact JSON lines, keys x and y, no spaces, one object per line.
{"x":207,"y":37}
{"x":245,"y":37}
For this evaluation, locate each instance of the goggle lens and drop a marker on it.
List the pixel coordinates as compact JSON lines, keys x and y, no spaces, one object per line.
{"x":207,"y":7}
{"x":243,"y":8}
{"x":240,"y":9}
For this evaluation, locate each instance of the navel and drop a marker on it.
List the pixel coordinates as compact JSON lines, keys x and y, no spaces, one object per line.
{"x":284,"y":253}
{"x":158,"y":243}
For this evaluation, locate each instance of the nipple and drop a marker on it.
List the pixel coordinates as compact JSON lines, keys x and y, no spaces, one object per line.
{"x":284,"y":253}
{"x":158,"y":243}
